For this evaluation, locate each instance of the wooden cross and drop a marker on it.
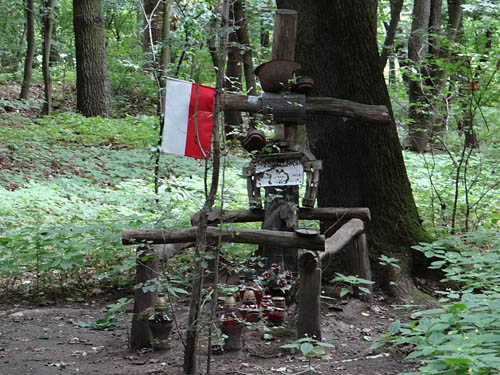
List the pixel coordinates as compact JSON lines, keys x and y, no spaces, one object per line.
{"x":351,"y":229}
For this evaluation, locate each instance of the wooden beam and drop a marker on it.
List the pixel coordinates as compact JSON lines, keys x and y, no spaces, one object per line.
{"x":342,"y":237}
{"x":317,"y":106}
{"x":240,"y":235}
{"x":321,"y":213}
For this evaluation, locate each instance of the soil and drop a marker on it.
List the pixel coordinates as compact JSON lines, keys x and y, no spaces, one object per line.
{"x":42,"y":340}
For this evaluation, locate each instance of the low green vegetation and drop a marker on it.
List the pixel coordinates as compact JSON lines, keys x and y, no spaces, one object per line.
{"x":69,"y":185}
{"x":462,"y":335}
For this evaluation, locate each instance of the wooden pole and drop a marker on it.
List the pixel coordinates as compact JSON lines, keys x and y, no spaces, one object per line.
{"x":361,"y":266}
{"x":309,"y":314}
{"x":281,"y":202}
{"x":240,"y":235}
{"x":146,"y":270}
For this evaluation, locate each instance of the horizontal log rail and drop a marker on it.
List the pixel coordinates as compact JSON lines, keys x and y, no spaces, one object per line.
{"x":342,"y":237}
{"x":322,"y":213}
{"x":316,"y":106}
{"x":240,"y":235}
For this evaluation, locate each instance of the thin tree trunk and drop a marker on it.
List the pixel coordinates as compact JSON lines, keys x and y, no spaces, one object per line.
{"x":396,"y":7}
{"x":192,"y":334}
{"x":152,"y":31}
{"x":232,"y":83}
{"x":242,"y":31}
{"x":30,"y":50}
{"x":417,"y":50}
{"x":48,"y":13}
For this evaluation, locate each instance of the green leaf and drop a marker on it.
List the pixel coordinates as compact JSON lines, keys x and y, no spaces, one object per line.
{"x":306,"y":348}
{"x":394,"y":327}
{"x":457,"y":360}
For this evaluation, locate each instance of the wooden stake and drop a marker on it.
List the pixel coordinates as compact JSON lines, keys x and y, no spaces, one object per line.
{"x":361,"y":266}
{"x":146,"y":270}
{"x":309,"y":315}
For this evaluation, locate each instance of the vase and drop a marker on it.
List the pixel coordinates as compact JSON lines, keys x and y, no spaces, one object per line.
{"x":276,"y":316}
{"x":231,"y":325}
{"x":161,"y":326}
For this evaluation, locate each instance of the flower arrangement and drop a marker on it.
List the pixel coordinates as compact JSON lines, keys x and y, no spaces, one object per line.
{"x":276,"y":279}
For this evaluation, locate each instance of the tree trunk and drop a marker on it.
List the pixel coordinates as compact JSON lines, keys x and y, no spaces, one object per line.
{"x":232,"y":82}
{"x":152,"y":34}
{"x":362,"y":164}
{"x":244,"y":39}
{"x":92,"y":85}
{"x":48,"y":13}
{"x":417,"y":49}
{"x":396,"y":7}
{"x":30,"y":50}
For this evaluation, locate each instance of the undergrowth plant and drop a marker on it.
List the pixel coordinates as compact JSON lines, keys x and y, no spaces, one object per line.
{"x":309,"y":347}
{"x":72,"y":185}
{"x":462,"y":336}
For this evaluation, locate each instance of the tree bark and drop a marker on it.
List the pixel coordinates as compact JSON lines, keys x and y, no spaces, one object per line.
{"x":232,"y":82}
{"x":244,"y":39}
{"x":92,"y":84}
{"x":30,"y":50}
{"x":153,"y":30}
{"x":396,"y":7}
{"x":48,"y":23}
{"x":362,"y":165}
{"x":419,"y":127}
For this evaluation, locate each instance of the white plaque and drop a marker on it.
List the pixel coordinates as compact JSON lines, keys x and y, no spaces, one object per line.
{"x":279,"y":173}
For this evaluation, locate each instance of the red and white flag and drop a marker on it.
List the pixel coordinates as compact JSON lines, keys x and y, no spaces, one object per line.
{"x":187,"y":129}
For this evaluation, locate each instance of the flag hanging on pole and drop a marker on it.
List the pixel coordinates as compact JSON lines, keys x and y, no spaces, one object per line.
{"x":187,"y":128}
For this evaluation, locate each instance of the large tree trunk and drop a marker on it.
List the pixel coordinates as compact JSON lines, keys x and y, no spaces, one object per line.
{"x":92,"y":84}
{"x":30,"y":50}
{"x":362,"y":164}
{"x":47,"y":39}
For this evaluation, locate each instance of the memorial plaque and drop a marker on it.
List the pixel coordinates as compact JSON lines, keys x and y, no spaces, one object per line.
{"x":279,"y":173}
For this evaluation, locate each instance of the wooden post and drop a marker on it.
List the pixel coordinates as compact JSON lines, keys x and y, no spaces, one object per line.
{"x":146,"y":270}
{"x":281,"y":211}
{"x":309,"y":315}
{"x":361,"y":266}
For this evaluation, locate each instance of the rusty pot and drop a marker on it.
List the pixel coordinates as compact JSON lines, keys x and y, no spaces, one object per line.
{"x":274,"y":75}
{"x":255,"y":140}
{"x":304,"y":85}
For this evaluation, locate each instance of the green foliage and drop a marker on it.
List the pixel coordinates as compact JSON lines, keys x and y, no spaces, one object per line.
{"x":462,"y":336}
{"x":309,"y":347}
{"x":72,"y":184}
{"x":351,"y":281}
{"x":110,"y":319}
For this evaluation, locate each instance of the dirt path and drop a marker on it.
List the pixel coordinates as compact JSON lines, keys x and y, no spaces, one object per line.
{"x":43,"y":341}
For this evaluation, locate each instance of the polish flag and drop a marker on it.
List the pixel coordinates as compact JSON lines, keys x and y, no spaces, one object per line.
{"x":187,"y":129}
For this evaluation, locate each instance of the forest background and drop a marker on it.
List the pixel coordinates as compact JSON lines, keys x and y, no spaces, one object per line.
{"x":78,"y":157}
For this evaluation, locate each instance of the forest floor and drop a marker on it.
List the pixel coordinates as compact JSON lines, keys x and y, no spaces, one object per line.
{"x":41,"y":339}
